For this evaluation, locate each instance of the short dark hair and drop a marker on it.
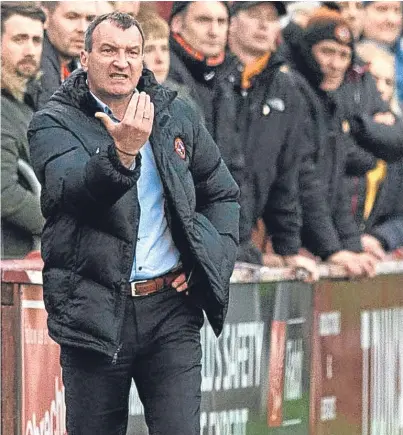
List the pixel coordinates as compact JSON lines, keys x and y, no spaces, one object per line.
{"x":26,"y":9}
{"x":50,"y":6}
{"x":119,"y":19}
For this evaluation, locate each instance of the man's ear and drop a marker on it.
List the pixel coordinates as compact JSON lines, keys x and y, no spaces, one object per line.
{"x":177,"y":23}
{"x":46,"y":12}
{"x":84,"y":60}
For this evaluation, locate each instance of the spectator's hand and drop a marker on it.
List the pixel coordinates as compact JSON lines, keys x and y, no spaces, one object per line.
{"x":306,"y":264}
{"x":135,"y":128}
{"x":355,"y":265}
{"x":386,"y":118}
{"x":373,"y":246}
{"x":273,"y":260}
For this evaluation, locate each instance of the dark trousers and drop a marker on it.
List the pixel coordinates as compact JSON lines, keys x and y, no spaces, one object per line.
{"x":161,"y":351}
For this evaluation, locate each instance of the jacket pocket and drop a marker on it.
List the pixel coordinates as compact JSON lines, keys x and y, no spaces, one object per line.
{"x":210,"y":249}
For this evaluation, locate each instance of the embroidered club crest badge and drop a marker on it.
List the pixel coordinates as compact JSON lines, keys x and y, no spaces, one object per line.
{"x":180,"y":148}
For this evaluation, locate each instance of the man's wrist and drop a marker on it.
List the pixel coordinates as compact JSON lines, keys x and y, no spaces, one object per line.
{"x":128,"y":160}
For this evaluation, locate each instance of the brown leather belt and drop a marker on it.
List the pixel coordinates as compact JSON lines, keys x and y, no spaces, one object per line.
{"x":149,"y":286}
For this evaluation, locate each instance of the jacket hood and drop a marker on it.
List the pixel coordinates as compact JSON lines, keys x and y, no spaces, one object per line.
{"x":75,"y":92}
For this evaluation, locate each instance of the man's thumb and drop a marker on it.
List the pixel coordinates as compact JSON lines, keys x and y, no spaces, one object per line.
{"x":105,"y":119}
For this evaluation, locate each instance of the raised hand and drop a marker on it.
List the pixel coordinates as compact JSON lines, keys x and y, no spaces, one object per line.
{"x":135,"y":128}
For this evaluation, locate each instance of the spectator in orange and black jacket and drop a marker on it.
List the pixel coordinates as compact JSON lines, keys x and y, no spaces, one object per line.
{"x":270,"y":120}
{"x":198,"y":61}
{"x":66,"y":24}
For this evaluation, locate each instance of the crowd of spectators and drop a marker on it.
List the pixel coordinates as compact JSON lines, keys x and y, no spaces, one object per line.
{"x":302,"y":98}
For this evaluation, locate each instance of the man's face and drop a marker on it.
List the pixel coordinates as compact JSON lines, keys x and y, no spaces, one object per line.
{"x":156,"y":57}
{"x":334,"y":60}
{"x":353,"y":13}
{"x":21,"y":46}
{"x":115,"y":63}
{"x":384,"y":74}
{"x":204,"y":25}
{"x":255,"y":30}
{"x":383,"y":21}
{"x":131,"y":8}
{"x":67,"y":24}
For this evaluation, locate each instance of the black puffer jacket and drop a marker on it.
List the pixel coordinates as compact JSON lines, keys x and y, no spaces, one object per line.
{"x":369,"y":140}
{"x":328,"y":224}
{"x":212,"y":91}
{"x":90,"y":203}
{"x":271,"y":114}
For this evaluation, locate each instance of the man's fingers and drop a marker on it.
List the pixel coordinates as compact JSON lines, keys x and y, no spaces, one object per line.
{"x":147,"y":109}
{"x":182,"y":287}
{"x":106,"y":121}
{"x":353,"y":269}
{"x":152,"y":113}
{"x":131,"y":108}
{"x":140,"y":110}
{"x":178,"y":282}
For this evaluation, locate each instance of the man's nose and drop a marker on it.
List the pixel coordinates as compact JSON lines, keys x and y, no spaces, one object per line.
{"x":120,"y":60}
{"x":29,"y":47}
{"x":82,"y":25}
{"x":158,"y":57}
{"x":214,"y":28}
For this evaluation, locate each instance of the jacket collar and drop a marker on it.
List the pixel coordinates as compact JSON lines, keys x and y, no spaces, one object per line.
{"x":202,"y":69}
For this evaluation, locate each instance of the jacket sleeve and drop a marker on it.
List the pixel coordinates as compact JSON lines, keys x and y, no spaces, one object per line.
{"x":384,"y":141}
{"x":282,"y":214}
{"x":72,"y":180}
{"x":319,"y":234}
{"x":344,"y":220}
{"x":359,"y":161}
{"x":217,"y":194}
{"x":389,"y":233}
{"x":19,"y":205}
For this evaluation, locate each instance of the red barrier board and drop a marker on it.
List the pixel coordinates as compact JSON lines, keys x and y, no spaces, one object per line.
{"x":276,"y":374}
{"x":43,"y":408}
{"x":357,"y":365}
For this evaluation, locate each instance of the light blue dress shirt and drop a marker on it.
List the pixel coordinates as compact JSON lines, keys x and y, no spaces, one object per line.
{"x":156,"y":253}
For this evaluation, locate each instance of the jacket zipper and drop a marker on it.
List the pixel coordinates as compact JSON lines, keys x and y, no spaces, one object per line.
{"x":118,"y":349}
{"x":115,"y":355}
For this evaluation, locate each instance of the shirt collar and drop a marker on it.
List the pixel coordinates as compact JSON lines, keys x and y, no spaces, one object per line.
{"x":106,"y":109}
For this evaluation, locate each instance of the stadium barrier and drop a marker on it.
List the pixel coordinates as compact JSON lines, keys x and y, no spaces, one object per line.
{"x":293,"y":358}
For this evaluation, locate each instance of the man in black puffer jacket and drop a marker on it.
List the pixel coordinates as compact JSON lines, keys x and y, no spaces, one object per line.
{"x":136,"y":204}
{"x":199,"y":63}
{"x":270,"y":120}
{"x":329,"y":229}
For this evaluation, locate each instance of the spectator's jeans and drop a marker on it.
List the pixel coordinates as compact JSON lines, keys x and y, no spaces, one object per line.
{"x":161,"y":351}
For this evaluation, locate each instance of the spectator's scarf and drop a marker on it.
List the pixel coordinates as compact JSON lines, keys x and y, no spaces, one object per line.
{"x":201,"y":67}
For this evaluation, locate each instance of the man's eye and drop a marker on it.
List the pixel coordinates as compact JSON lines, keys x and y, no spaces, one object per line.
{"x":106,"y":50}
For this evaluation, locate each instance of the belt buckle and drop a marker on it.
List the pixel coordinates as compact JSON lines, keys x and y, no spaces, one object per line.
{"x":133,"y":287}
